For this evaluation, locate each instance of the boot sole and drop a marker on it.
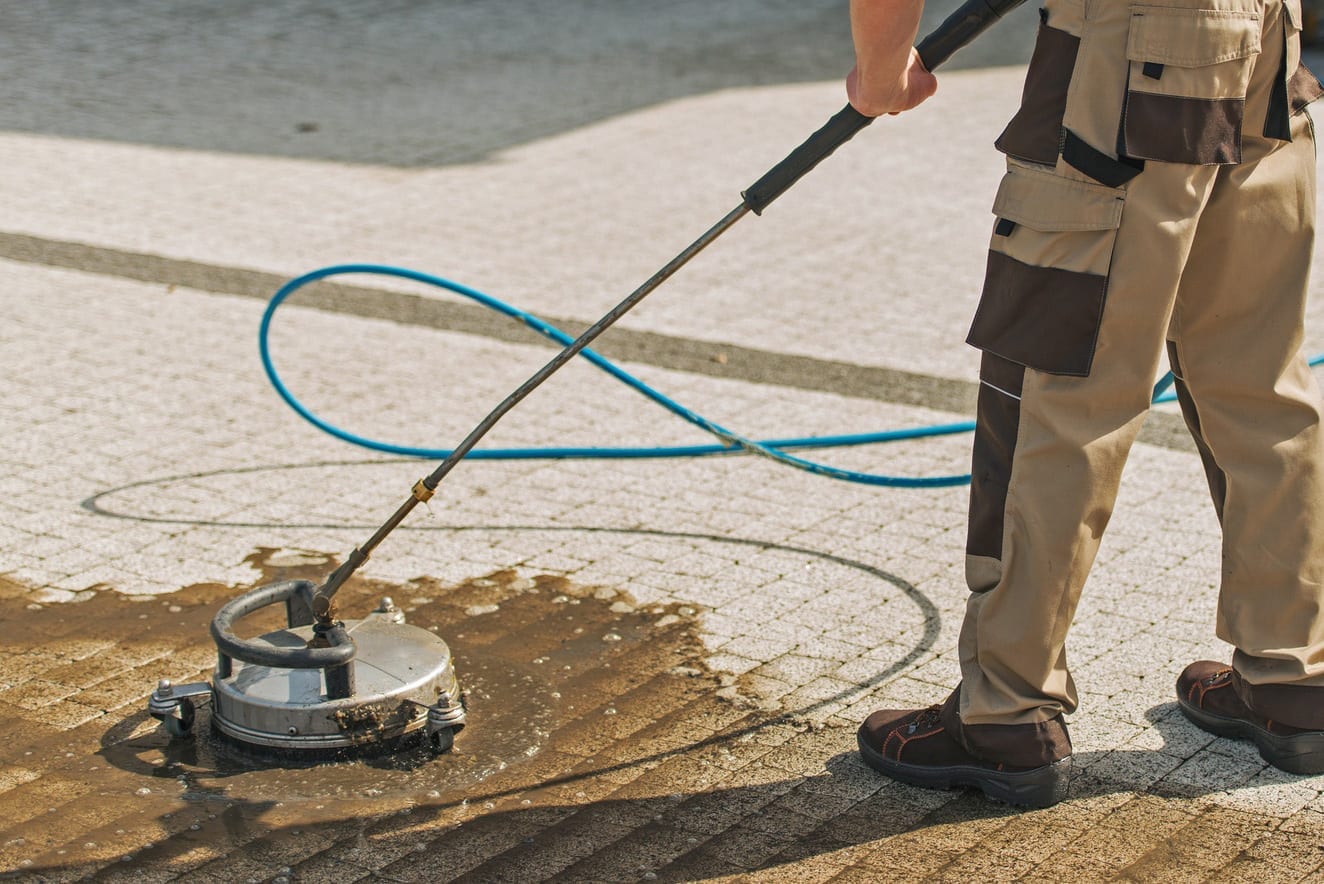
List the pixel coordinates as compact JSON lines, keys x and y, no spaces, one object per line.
{"x":1035,"y":788}
{"x":1294,"y":753}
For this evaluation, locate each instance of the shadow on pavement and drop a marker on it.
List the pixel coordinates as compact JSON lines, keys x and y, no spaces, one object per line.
{"x":406,"y":83}
{"x":769,"y":824}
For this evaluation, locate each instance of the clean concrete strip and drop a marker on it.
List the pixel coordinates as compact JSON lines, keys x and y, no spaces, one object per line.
{"x":713,"y":359}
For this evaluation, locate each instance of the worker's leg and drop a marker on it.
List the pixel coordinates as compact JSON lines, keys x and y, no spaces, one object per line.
{"x":1255,"y":408}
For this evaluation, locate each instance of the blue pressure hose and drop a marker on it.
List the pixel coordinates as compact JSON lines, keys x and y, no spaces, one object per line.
{"x":1164,"y":393}
{"x":774,"y":448}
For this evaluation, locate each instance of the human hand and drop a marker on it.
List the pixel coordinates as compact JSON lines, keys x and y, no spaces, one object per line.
{"x":887,"y":93}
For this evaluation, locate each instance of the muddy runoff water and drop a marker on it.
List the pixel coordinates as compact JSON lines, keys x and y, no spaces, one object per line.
{"x":542,"y":664}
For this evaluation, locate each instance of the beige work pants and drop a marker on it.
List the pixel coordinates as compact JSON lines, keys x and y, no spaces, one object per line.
{"x":1160,"y":196}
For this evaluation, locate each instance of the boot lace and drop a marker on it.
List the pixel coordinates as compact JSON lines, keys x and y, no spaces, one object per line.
{"x":926,"y":719}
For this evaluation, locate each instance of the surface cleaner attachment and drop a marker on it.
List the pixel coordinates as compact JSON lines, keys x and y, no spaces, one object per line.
{"x":321,"y":686}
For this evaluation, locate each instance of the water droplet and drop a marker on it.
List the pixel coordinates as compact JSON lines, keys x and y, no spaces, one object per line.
{"x":488,"y":805}
{"x":434,"y":794}
{"x":89,"y":845}
{"x":556,"y":695}
{"x":609,"y":711}
{"x":611,"y":637}
{"x":195,"y":827}
{"x":126,"y":858}
{"x":143,"y":791}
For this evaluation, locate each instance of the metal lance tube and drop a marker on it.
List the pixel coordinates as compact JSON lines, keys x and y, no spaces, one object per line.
{"x":962,"y":26}
{"x":424,"y":489}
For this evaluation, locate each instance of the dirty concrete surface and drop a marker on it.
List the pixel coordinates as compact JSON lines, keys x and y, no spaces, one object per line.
{"x":601,"y":749}
{"x":168,"y":164}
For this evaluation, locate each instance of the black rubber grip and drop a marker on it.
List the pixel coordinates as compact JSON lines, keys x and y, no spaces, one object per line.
{"x":962,"y":26}
{"x":840,"y":129}
{"x":965,"y":24}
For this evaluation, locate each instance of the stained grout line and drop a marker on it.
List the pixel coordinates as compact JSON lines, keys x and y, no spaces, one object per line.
{"x":707,"y":358}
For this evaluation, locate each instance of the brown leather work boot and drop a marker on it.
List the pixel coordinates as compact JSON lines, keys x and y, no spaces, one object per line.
{"x":928,"y":747}
{"x":1213,"y":697}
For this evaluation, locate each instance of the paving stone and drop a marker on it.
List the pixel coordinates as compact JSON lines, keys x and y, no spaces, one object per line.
{"x":814,"y":600}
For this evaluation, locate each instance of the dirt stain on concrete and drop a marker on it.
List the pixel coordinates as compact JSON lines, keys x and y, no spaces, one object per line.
{"x":540,"y":659}
{"x":599,"y":749}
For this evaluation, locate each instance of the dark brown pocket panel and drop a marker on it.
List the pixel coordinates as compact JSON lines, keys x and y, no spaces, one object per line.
{"x":1172,"y":129}
{"x":1303,"y":88}
{"x":1033,"y":134}
{"x":996,"y":427}
{"x":1040,"y":317}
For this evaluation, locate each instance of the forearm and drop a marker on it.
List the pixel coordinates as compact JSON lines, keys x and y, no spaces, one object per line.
{"x":883,"y":32}
{"x":888,"y":76}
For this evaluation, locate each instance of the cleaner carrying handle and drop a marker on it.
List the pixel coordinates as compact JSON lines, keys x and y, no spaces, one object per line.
{"x":968,"y":22}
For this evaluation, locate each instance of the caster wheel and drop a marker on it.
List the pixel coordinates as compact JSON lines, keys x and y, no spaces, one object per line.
{"x":441,"y":741}
{"x":180,"y":727}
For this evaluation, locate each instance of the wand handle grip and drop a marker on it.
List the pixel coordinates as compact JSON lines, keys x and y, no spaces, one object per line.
{"x":965,"y":24}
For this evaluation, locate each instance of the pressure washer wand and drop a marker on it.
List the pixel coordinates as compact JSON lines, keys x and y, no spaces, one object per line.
{"x":968,"y":22}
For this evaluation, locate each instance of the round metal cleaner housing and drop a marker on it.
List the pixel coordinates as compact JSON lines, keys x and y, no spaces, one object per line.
{"x":320,"y":684}
{"x":400,"y":673}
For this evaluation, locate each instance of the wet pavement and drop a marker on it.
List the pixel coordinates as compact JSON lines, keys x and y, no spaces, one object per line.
{"x":665,"y":661}
{"x":551,"y":673}
{"x":601,"y":748}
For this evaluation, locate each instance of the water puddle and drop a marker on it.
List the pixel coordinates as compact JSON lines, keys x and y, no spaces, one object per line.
{"x":539,"y":660}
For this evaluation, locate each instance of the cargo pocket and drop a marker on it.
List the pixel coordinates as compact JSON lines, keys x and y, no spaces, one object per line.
{"x":1186,"y":88}
{"x":1303,"y":88}
{"x":1047,"y":271}
{"x":1033,"y":134}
